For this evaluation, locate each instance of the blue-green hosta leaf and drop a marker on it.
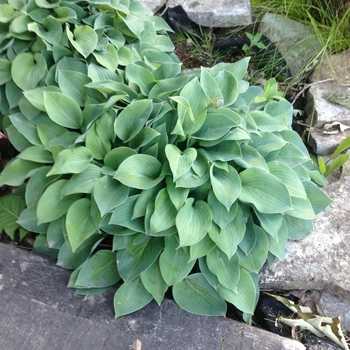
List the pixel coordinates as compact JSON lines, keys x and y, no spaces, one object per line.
{"x":131,"y":120}
{"x":194,"y":294}
{"x":210,"y":86}
{"x":6,"y":13}
{"x":280,"y":110}
{"x":289,"y":178}
{"x":164,"y":213}
{"x":140,"y":171}
{"x":48,"y":4}
{"x":123,"y":215}
{"x":26,"y":128}
{"x":49,"y":30}
{"x":145,"y":197}
{"x":28,"y":220}
{"x":291,"y":155}
{"x":154,"y":283}
{"x":174,"y":261}
{"x":36,"y":154}
{"x":83,"y":182}
{"x":302,"y":208}
{"x":209,"y":276}
{"x":193,"y":221}
{"x":255,"y":259}
{"x":52,"y":205}
{"x":167,"y":70}
{"x":216,"y":125}
{"x":265,"y":191}
{"x":298,"y":228}
{"x":130,"y":297}
{"x":11,"y":207}
{"x":30,"y":112}
{"x":28,"y":69}
{"x":18,"y":27}
{"x":228,"y":238}
{"x":84,"y":39}
{"x":117,"y":155}
{"x":167,"y":86}
{"x":192,"y":180}
{"x":131,"y":264}
{"x":99,"y":271}
{"x":226,"y":185}
{"x":202,"y":248}
{"x":65,"y":14}
{"x":221,"y":216}
{"x":180,"y":162}
{"x":277,"y":245}
{"x":223,"y":151}
{"x":72,"y":161}
{"x":245,"y":298}
{"x":73,"y":84}
{"x":229,"y":87}
{"x":177,"y":195}
{"x":107,"y":57}
{"x":265,"y":122}
{"x":69,"y":260}
{"x":5,"y":70}
{"x":109,"y":193}
{"x":98,"y":145}
{"x":54,"y":234}
{"x":36,"y":96}
{"x":194,"y":94}
{"x":37,"y":184}
{"x":266,"y":142}
{"x":145,"y":137}
{"x":63,"y":110}
{"x":227,"y":271}
{"x":271,"y":223}
{"x":250,"y":237}
{"x":17,"y":139}
{"x":140,"y":76}
{"x":16,"y":171}
{"x":319,"y":200}
{"x":80,"y":224}
{"x":238,"y":69}
{"x":250,"y":158}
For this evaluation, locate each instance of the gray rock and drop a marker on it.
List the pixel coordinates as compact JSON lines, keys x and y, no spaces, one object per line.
{"x":38,"y":312}
{"x":222,"y":13}
{"x":154,"y":5}
{"x":328,"y":101}
{"x":297,"y":43}
{"x":321,"y":261}
{"x":323,"y":143}
{"x":331,"y":306}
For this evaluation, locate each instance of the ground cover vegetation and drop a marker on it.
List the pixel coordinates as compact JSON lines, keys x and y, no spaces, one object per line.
{"x":135,"y":173}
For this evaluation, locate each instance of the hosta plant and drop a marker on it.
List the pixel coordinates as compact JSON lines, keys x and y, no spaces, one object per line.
{"x":136,"y":174}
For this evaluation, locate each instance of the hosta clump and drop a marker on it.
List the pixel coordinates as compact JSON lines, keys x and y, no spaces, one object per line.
{"x":137,"y":174}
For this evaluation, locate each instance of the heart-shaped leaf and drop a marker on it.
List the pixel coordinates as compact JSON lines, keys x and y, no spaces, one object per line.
{"x":193,"y":221}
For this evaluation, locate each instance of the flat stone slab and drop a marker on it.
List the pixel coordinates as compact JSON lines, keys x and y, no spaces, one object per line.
{"x":38,"y":312}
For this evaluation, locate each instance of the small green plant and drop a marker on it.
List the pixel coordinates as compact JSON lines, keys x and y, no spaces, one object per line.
{"x":134,"y":172}
{"x":255,"y":42}
{"x":336,"y":160}
{"x":203,"y":45}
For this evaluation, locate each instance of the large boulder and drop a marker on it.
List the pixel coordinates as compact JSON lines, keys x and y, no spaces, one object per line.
{"x":297,"y":43}
{"x":328,"y":103}
{"x":321,"y":261}
{"x":224,"y":13}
